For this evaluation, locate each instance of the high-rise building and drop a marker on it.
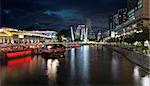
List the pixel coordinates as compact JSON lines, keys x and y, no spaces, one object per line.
{"x":117,"y":19}
{"x":132,"y":4}
{"x":139,"y":11}
{"x":122,"y":13}
{"x":91,"y":34}
{"x":138,"y":18}
{"x":111,"y":23}
{"x":79,"y":33}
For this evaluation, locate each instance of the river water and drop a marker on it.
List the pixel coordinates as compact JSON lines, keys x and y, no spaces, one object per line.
{"x":86,"y":65}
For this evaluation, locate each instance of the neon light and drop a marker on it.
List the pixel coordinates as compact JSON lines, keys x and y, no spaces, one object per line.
{"x":19,"y":53}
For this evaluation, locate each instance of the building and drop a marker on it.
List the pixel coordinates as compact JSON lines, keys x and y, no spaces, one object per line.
{"x":51,"y":34}
{"x":117,"y":19}
{"x":80,"y":33}
{"x":138,"y":17}
{"x":111,"y":23}
{"x":138,"y":11}
{"x":138,"y":14}
{"x":11,"y":35}
{"x":91,"y":34}
{"x":123,"y":17}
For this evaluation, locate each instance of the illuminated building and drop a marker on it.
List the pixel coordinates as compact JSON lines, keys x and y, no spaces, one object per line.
{"x":138,"y":11}
{"x":10,"y":35}
{"x":79,"y":33}
{"x":72,"y":34}
{"x":117,"y":19}
{"x":51,"y":34}
{"x":122,"y":15}
{"x":138,"y":19}
{"x":91,"y":34}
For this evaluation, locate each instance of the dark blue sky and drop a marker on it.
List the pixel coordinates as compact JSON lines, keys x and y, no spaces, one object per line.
{"x":58,"y":14}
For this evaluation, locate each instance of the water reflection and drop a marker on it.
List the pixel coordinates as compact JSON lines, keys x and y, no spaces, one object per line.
{"x":146,"y":80}
{"x":85,"y":65}
{"x":52,"y":70}
{"x":115,"y":68}
{"x":14,"y":69}
{"x":136,"y":75}
{"x":18,"y":63}
{"x":72,"y":63}
{"x":79,"y":65}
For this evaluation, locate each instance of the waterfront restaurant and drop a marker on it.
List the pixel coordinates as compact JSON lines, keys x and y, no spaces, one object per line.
{"x":11,"y":36}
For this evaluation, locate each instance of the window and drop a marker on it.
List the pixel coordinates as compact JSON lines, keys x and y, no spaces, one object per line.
{"x":140,"y":6}
{"x":140,"y":2}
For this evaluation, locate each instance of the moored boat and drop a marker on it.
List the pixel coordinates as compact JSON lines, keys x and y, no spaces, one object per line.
{"x":53,"y":51}
{"x":13,"y":51}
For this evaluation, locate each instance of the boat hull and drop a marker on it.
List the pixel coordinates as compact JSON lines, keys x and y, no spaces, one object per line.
{"x":53,"y":55}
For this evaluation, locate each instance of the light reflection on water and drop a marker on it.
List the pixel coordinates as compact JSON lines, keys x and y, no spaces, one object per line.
{"x":52,"y":70}
{"x":115,"y":68}
{"x":72,"y":63}
{"x":83,"y":59}
{"x":85,"y":65}
{"x":140,"y":81}
{"x":146,"y":80}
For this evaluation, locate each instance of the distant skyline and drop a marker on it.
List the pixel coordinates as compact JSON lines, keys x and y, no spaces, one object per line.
{"x":58,"y":14}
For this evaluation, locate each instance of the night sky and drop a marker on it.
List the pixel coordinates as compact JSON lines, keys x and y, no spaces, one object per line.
{"x":58,"y":14}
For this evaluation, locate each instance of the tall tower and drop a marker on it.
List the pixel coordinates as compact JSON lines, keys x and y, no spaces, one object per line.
{"x":72,"y":33}
{"x":83,"y":36}
{"x":91,"y":34}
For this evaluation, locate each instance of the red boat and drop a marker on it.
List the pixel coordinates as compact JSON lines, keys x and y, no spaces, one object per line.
{"x":75,"y":45}
{"x":13,"y":51}
{"x":19,"y":53}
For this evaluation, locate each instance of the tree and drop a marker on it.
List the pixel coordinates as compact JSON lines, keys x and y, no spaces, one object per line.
{"x":141,"y":37}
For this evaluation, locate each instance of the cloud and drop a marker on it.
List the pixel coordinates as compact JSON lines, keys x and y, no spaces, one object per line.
{"x":69,"y":13}
{"x":48,"y":12}
{"x":59,"y":14}
{"x":65,"y":14}
{"x":7,"y":11}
